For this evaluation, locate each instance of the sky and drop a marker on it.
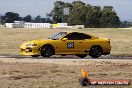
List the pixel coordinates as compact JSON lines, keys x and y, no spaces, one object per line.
{"x":41,"y":7}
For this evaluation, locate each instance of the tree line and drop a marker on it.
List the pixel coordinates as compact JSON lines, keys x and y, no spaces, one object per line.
{"x":10,"y":17}
{"x":76,"y":13}
{"x":81,"y":13}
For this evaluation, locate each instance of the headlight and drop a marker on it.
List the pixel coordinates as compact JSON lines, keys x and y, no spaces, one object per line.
{"x":31,"y":45}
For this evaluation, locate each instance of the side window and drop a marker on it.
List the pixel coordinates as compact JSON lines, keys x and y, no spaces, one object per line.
{"x":73,"y":36}
{"x":77,"y":36}
{"x":84,"y":36}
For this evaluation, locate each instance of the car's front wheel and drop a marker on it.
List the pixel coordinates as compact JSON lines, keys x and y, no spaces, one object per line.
{"x":95,"y":51}
{"x":47,"y":51}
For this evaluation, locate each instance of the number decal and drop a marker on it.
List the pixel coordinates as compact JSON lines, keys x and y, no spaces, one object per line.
{"x":70,"y":45}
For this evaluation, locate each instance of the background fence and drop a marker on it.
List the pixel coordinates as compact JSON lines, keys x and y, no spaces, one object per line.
{"x":18,"y":24}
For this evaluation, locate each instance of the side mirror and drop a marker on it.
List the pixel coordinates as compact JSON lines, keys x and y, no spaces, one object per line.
{"x":64,"y":39}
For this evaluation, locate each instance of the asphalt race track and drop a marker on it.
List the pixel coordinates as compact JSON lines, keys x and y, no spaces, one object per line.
{"x":65,"y":57}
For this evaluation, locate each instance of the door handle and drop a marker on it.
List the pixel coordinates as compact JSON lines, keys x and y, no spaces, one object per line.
{"x":80,"y":42}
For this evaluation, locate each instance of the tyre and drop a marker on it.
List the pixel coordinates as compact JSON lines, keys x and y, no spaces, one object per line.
{"x":47,"y":51}
{"x":35,"y":55}
{"x":81,"y":56}
{"x":95,"y":51}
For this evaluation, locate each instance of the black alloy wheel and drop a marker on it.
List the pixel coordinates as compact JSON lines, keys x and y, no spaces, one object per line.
{"x":95,"y":51}
{"x":47,"y":51}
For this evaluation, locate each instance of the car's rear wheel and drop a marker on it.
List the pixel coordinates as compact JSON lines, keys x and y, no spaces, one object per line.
{"x":47,"y":50}
{"x":81,"y":55}
{"x":95,"y":51}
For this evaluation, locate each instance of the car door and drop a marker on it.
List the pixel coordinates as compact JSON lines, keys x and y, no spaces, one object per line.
{"x":65,"y":46}
{"x":74,"y":43}
{"x":68,"y":46}
{"x":84,"y":43}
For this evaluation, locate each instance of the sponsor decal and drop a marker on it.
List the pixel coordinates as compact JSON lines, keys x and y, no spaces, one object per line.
{"x":85,"y":81}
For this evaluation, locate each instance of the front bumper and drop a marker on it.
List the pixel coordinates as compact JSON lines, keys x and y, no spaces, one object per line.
{"x":29,"y":51}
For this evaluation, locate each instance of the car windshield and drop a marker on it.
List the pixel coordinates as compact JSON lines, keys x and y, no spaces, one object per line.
{"x":57,"y":36}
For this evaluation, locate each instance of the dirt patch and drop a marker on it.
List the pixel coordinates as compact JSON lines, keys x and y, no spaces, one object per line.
{"x":18,"y":77}
{"x":60,"y":73}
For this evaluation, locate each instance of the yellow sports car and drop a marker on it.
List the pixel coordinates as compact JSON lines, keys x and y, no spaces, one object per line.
{"x":67,"y":43}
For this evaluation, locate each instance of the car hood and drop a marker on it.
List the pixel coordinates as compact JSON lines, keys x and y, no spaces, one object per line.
{"x":36,"y":41}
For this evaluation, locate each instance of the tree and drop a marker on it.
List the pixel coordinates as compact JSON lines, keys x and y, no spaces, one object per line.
{"x":27,"y":18}
{"x":109,"y":17}
{"x":93,"y":16}
{"x":85,"y":14}
{"x":10,"y":17}
{"x":77,"y":15}
{"x":125,"y":24}
{"x":57,"y":12}
{"x":69,"y":7}
{"x":43,"y":20}
{"x":38,"y":19}
{"x":2,"y":20}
